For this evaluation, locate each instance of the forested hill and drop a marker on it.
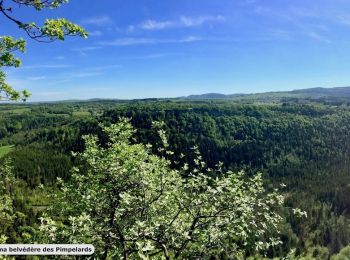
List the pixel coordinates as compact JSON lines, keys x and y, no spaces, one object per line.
{"x":214,"y":96}
{"x":304,"y":144}
{"x":327,"y":94}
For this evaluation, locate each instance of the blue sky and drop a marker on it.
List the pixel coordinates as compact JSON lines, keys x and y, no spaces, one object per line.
{"x":153,"y":48}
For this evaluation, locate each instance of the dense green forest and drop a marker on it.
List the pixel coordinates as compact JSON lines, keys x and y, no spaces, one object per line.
{"x":303,"y":144}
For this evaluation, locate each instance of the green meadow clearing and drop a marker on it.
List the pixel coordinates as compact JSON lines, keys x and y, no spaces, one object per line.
{"x":5,"y":150}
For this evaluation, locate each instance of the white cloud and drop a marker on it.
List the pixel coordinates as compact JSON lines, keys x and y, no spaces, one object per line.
{"x":89,"y":48}
{"x":248,"y":2}
{"x":95,"y":33}
{"x":83,"y":75}
{"x":191,"y":39}
{"x":299,"y":19}
{"x":106,"y":67}
{"x":98,"y":20}
{"x":281,"y":34}
{"x":83,"y":50}
{"x":310,"y":12}
{"x":36,"y":78}
{"x":150,"y":56}
{"x":69,"y":77}
{"x":190,"y":22}
{"x":343,"y":19}
{"x":318,"y":37}
{"x":183,"y":21}
{"x":128,"y":41}
{"x":157,"y":25}
{"x":16,"y":82}
{"x":294,"y":35}
{"x":50,"y":93}
{"x":144,"y":41}
{"x":131,"y":28}
{"x":57,"y":81}
{"x":47,"y":66}
{"x":87,"y":72}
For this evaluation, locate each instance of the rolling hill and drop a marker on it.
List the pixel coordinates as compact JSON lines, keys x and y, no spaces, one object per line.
{"x":326,"y":94}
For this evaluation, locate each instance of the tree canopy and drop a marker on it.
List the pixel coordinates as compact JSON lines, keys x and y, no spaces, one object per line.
{"x":7,"y":216}
{"x":129,"y":202}
{"x":50,"y":30}
{"x":303,"y":145}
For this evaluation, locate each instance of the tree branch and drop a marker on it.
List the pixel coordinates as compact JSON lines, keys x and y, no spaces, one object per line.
{"x":190,"y":232}
{"x":3,"y":10}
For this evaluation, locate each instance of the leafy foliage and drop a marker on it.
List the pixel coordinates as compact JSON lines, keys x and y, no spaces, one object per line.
{"x":129,"y":202}
{"x":51,"y":30}
{"x":305,"y":146}
{"x":344,"y":254}
{"x":7,"y":215}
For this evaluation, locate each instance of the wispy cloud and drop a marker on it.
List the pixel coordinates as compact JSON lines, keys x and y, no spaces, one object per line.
{"x":86,"y":72}
{"x":343,"y":19}
{"x":82,"y":75}
{"x":102,"y":68}
{"x":280,"y":34}
{"x":183,"y":21}
{"x":83,"y":50}
{"x":150,"y":56}
{"x":95,"y":33}
{"x":144,"y":41}
{"x":131,"y":28}
{"x":69,"y":77}
{"x":156,"y":25}
{"x":248,"y":2}
{"x":59,"y":57}
{"x":55,"y":81}
{"x":62,"y":77}
{"x":50,"y":94}
{"x":314,"y":16}
{"x":98,"y":20}
{"x":130,"y":41}
{"x":89,"y":48}
{"x":36,"y":78}
{"x":16,"y":82}
{"x":197,"y":21}
{"x":311,"y":12}
{"x":316,"y":36}
{"x":266,"y":11}
{"x":47,"y":66}
{"x":299,"y":19}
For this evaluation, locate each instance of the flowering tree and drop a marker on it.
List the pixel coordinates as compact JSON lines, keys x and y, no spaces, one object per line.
{"x":130,"y":203}
{"x":7,"y":215}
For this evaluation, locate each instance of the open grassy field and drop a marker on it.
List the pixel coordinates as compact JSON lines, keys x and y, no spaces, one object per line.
{"x":5,"y":150}
{"x":15,"y":111}
{"x":81,"y":113}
